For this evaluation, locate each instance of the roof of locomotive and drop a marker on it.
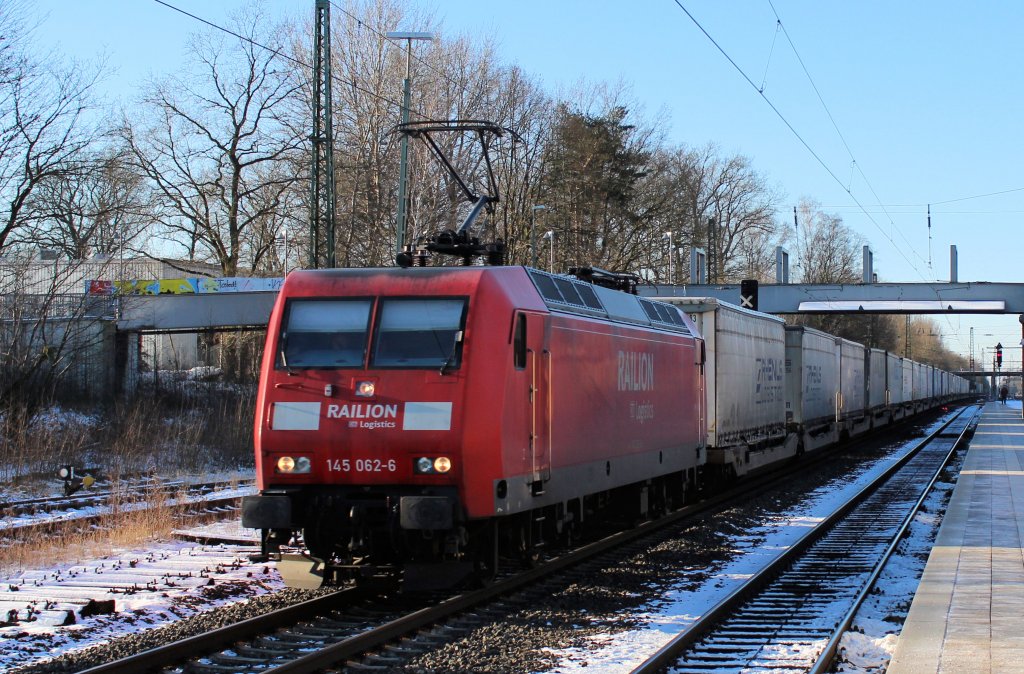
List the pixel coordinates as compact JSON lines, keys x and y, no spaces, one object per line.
{"x":558,"y":292}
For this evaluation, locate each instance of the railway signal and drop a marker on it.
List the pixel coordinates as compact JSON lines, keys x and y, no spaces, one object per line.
{"x":748,"y":294}
{"x":999,"y":355}
{"x":73,"y":482}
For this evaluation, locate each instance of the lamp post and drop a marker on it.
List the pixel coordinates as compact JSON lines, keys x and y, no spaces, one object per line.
{"x":533,"y":233}
{"x":286,"y":250}
{"x":403,"y":166}
{"x":550,"y":236}
{"x":1021,"y":319}
{"x":671,"y":261}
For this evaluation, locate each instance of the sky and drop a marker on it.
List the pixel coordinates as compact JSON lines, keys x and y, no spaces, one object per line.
{"x":922,"y":102}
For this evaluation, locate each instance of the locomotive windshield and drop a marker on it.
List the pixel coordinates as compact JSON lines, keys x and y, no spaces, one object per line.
{"x":419,"y":332}
{"x":325,"y":333}
{"x":410,"y":332}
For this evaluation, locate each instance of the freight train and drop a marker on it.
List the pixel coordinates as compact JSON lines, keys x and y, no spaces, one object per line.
{"x":424,"y":419}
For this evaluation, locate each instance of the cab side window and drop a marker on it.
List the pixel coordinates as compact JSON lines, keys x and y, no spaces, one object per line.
{"x":519,"y":342}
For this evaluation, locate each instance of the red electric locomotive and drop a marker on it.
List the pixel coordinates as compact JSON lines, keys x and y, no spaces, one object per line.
{"x":434,"y":415}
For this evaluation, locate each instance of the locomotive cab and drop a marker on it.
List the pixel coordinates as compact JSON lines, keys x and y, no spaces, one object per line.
{"x":360,"y":430}
{"x":430,"y":416}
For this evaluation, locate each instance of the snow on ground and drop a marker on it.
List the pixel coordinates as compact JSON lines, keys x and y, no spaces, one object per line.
{"x":870,"y":644}
{"x":680,"y":608}
{"x":162,"y":583}
{"x":226,"y":530}
{"x":47,"y":610}
{"x":56,"y":416}
{"x":104,"y":508}
{"x":149,"y":587}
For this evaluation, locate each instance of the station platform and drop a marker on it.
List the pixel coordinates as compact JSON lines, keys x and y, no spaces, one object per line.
{"x":968,"y":613}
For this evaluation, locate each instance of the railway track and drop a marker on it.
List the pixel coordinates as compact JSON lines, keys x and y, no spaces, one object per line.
{"x":382,"y":631}
{"x":31,"y":519}
{"x":791,"y":615}
{"x":121,"y":583}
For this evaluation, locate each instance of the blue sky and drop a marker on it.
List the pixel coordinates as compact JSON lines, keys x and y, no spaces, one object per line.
{"x":927,"y":96}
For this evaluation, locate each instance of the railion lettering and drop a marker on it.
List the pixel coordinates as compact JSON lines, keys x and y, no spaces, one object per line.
{"x":636,"y":371}
{"x":362,"y":411}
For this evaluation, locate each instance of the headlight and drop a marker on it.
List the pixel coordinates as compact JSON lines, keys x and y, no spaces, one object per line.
{"x":365,"y":389}
{"x":293,"y":465}
{"x":426,"y":465}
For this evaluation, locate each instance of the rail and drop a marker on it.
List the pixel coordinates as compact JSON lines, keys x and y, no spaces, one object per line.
{"x":354,"y":633}
{"x":748,"y":593}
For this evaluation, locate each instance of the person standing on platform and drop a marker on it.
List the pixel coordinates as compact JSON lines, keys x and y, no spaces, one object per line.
{"x":1003,"y":392}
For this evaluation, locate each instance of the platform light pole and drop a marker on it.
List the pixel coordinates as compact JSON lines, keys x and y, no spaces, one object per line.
{"x":403,"y":166}
{"x":671,"y":261}
{"x":550,"y":236}
{"x":533,"y":233}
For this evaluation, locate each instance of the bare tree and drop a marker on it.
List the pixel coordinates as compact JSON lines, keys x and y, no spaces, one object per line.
{"x":213,"y":145}
{"x":44,"y":133}
{"x":368,"y":71}
{"x":926,"y":345}
{"x":827,"y":251}
{"x":51,"y":335}
{"x":726,"y":208}
{"x":97,"y":208}
{"x":453,"y":78}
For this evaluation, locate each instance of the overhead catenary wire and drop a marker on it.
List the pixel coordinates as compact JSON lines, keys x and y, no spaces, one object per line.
{"x":917,"y":213}
{"x":951,"y":201}
{"x":855,"y":164}
{"x":797,"y":134}
{"x":291,"y":59}
{"x":978,"y":196}
{"x":389,"y":41}
{"x":768,"y":63}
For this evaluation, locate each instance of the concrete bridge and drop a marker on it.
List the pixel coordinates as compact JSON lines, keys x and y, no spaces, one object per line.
{"x":169,"y":306}
{"x":191,"y":313}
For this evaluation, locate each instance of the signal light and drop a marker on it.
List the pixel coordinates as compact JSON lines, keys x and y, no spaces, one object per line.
{"x":999,"y":355}
{"x":748,"y":294}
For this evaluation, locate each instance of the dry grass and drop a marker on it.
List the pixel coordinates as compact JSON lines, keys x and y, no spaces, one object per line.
{"x":197,"y":433}
{"x":33,"y":443}
{"x":70,"y":543}
{"x":166,"y":436}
